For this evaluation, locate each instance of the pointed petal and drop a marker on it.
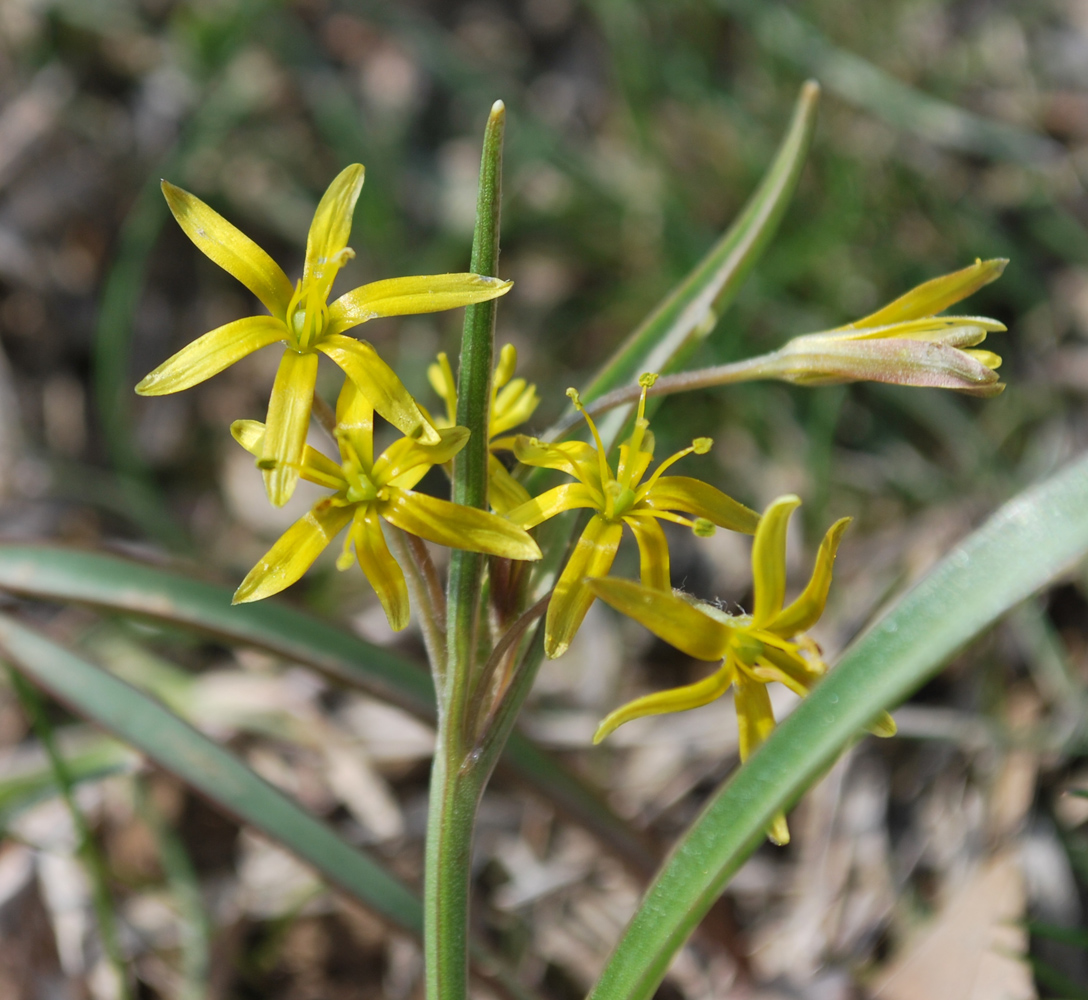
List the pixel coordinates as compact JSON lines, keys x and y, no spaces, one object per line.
{"x":653,"y":552}
{"x":575,"y":458}
{"x":755,"y":719}
{"x":669,"y":617}
{"x":294,"y":553}
{"x":405,"y":462}
{"x":355,"y":424}
{"x":231,"y":249}
{"x":316,"y":467}
{"x":679,"y":699}
{"x":288,"y":421}
{"x":331,"y":228}
{"x":693,"y":496}
{"x":769,"y":560}
{"x":514,"y":404}
{"x":424,"y":293}
{"x":593,"y":556}
{"x":210,"y":354}
{"x":440,"y":375}
{"x":504,"y":491}
{"x":380,"y":568}
{"x":805,"y":611}
{"x":569,"y":496}
{"x":379,"y":383}
{"x":936,"y":295}
{"x":455,"y":525}
{"x":884,"y":726}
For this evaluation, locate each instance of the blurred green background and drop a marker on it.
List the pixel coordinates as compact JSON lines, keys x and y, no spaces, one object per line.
{"x":948,"y":131}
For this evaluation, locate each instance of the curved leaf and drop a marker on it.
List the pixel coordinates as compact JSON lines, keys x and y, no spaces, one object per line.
{"x":1020,"y":549}
{"x":130,"y":588}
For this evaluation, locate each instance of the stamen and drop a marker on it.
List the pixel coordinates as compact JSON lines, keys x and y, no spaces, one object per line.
{"x":602,"y":459}
{"x":700,"y":446}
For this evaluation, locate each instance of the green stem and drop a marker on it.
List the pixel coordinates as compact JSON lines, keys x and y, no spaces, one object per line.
{"x":457,"y":780}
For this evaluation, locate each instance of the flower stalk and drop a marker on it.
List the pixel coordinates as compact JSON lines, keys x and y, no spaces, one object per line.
{"x":458,"y":776}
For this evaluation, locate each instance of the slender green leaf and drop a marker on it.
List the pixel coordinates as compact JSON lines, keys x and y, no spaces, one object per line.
{"x":176,"y":746}
{"x":130,"y":588}
{"x":1019,"y":549}
{"x":694,"y":306}
{"x":216,"y":773}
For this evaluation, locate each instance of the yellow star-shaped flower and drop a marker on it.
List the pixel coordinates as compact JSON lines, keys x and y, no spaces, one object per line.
{"x":617,"y":499}
{"x":368,"y":490}
{"x":513,"y":401}
{"x":303,"y":320}
{"x":767,"y":645}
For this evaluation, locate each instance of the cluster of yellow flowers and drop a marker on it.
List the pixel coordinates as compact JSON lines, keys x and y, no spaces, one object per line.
{"x":768,"y":645}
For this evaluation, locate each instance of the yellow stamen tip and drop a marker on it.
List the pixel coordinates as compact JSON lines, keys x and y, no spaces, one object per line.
{"x":647,"y":379}
{"x":702,"y":445}
{"x":266,"y":463}
{"x":702,"y":528}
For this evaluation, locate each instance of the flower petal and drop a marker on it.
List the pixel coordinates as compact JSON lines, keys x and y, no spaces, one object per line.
{"x":575,"y":458}
{"x":380,"y":568}
{"x":755,"y":720}
{"x":288,"y":421}
{"x":653,"y":552}
{"x":331,"y":228}
{"x":422,"y":293}
{"x":769,"y":560}
{"x":669,"y":617}
{"x":514,"y":403}
{"x":355,"y":424}
{"x":405,"y":462}
{"x":678,"y":699}
{"x":805,"y":611}
{"x":505,"y":493}
{"x":379,"y":383}
{"x":693,"y":496}
{"x":440,"y":375}
{"x":231,"y":249}
{"x":593,"y":556}
{"x":455,"y":525}
{"x":883,"y":725}
{"x":210,"y":354}
{"x":316,"y":467}
{"x":569,"y":496}
{"x":294,"y":552}
{"x":936,"y":295}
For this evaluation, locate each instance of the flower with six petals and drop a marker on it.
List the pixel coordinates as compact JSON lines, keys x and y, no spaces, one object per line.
{"x":617,"y":499}
{"x":306,"y":324}
{"x":513,"y":401}
{"x":767,"y":645}
{"x":367,"y":491}
{"x":904,"y":343}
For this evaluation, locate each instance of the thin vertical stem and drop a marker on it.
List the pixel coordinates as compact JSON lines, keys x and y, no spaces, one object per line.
{"x":456,"y":783}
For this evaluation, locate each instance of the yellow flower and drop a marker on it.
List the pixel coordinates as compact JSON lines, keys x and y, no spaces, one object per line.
{"x":618,"y":499}
{"x":767,"y":645}
{"x":369,"y":489}
{"x":306,"y":324}
{"x":904,"y":343}
{"x":513,"y":401}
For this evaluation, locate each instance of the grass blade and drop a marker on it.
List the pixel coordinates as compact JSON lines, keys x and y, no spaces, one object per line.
{"x":177,"y":747}
{"x":693,"y":307}
{"x":1019,"y":549}
{"x":216,"y":773}
{"x":135,"y":589}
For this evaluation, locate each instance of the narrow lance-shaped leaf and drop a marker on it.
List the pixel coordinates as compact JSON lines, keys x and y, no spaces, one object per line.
{"x":130,"y":588}
{"x":697,"y":302}
{"x":216,"y":773}
{"x":1020,"y":549}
